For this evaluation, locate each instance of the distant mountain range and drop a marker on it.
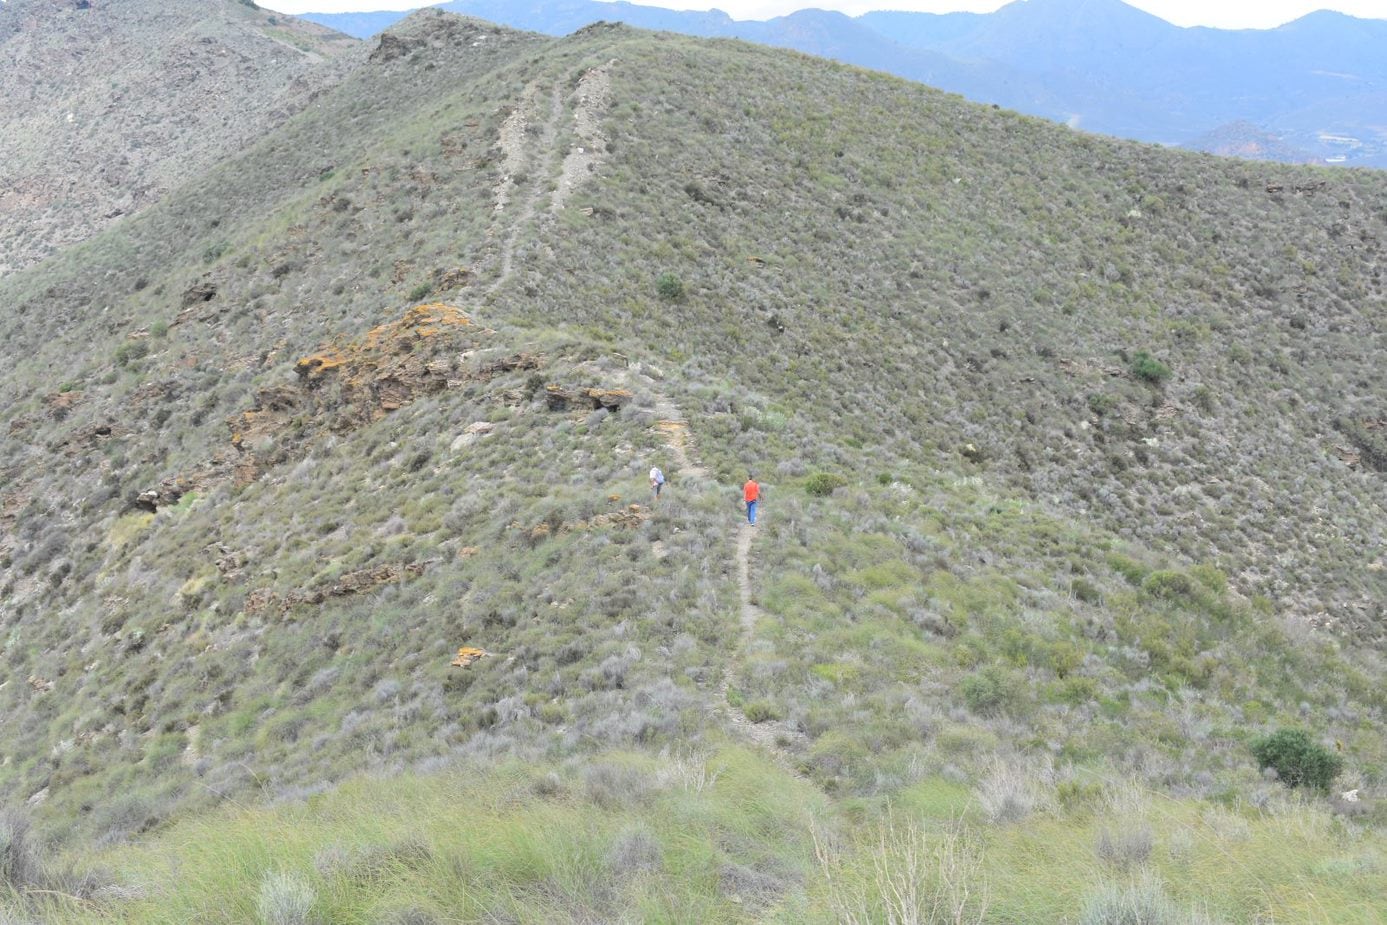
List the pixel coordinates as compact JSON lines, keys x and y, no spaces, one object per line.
{"x":1315,"y":88}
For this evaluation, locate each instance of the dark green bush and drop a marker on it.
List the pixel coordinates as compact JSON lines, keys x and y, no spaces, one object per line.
{"x":1169,"y":584}
{"x":1298,"y":761}
{"x":991,"y":690}
{"x":1149,"y":369}
{"x":670,"y":288}
{"x":420,"y":291}
{"x":761,"y":711}
{"x":823,"y":484}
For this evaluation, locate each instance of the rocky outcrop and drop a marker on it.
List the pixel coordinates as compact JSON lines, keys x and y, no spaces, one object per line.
{"x":264,"y":600}
{"x":630,"y":517}
{"x":342,"y":386}
{"x":585,"y":399}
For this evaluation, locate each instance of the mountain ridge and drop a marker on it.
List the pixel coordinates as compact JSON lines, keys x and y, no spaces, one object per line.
{"x":1175,"y":89}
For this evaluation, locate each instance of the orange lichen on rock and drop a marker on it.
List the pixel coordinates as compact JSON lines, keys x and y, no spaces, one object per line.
{"x":315,"y":365}
{"x":346,"y":384}
{"x":421,"y":321}
{"x":467,"y":655}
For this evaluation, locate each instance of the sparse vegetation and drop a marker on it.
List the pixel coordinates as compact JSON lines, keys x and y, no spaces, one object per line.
{"x":1019,"y":671}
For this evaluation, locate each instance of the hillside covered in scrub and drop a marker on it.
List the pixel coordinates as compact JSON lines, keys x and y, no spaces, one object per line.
{"x":110,"y":105}
{"x":1066,"y":597}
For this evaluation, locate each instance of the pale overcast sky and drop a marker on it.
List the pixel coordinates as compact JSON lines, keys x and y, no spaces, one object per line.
{"x":1224,"y":14}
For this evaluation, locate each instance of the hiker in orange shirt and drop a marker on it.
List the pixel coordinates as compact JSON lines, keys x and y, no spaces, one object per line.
{"x":751,"y":493}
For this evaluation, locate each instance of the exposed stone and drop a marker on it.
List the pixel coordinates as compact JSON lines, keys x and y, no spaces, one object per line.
{"x":59,"y":403}
{"x":585,"y":399}
{"x":630,"y":517}
{"x":345,"y":385}
{"x":87,"y":437}
{"x":467,"y":655}
{"x":264,"y":600}
{"x":391,"y":47}
{"x":202,"y":291}
{"x":454,"y":278}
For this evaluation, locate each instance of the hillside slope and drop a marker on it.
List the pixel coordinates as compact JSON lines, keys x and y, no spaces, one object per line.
{"x":110,"y":105}
{"x":1071,"y":450}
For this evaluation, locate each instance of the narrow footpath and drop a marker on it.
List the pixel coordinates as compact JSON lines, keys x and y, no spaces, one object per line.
{"x":777,"y":737}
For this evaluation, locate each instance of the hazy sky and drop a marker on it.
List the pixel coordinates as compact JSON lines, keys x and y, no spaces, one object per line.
{"x":1224,"y":14}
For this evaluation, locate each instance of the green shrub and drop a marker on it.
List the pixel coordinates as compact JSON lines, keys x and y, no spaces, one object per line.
{"x":1100,"y":403}
{"x":1298,"y":761}
{"x":1085,"y":590}
{"x":1149,"y":369}
{"x":670,"y":288}
{"x":419,"y":292}
{"x":130,"y":351}
{"x":823,"y":484}
{"x":761,"y":711}
{"x":991,"y":690}
{"x":1204,"y":399}
{"x":1169,"y":584}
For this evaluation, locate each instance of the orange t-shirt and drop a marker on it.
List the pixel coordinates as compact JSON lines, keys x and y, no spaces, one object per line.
{"x":751,"y":491}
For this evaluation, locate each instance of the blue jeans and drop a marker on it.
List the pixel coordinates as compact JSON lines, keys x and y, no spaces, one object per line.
{"x":751,"y":513}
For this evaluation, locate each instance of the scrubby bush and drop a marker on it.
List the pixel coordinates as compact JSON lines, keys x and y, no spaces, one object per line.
{"x":1169,"y":585}
{"x":130,"y":351}
{"x":1297,"y":760}
{"x":823,"y":484}
{"x":1142,"y":902}
{"x":991,"y":690}
{"x":1125,"y":847}
{"x":1149,"y":369}
{"x":284,"y":900}
{"x":1086,"y":591}
{"x":762,"y":711}
{"x":20,"y":864}
{"x":1010,"y":792}
{"x":1100,"y":403}
{"x":670,"y":287}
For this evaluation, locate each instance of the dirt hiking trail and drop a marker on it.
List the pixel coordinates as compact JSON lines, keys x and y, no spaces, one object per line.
{"x":778,"y":737}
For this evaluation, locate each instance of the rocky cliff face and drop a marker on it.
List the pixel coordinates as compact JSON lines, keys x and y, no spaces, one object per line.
{"x":111,"y":103}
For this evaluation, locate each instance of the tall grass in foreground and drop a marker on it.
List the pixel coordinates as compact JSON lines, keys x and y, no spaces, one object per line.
{"x":727,"y":836}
